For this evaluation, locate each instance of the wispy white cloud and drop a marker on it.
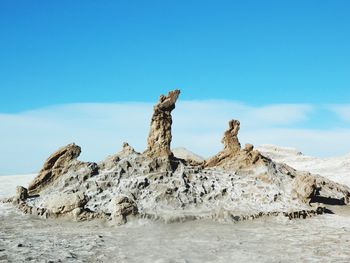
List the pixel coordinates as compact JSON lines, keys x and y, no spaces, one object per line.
{"x":343,"y":111}
{"x":28,"y":138}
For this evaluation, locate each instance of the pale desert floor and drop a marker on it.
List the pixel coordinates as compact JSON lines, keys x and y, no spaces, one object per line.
{"x":25,"y":238}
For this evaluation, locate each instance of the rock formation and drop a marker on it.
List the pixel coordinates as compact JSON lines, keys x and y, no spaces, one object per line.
{"x":59,"y":163}
{"x":62,"y":203}
{"x":304,"y":187}
{"x":232,"y":156}
{"x":21,"y":193}
{"x":230,"y":139}
{"x":159,"y":137}
{"x":236,"y":184}
{"x":122,"y":207}
{"x":54,"y":167}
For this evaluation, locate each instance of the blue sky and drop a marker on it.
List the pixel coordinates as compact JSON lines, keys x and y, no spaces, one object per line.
{"x":259,"y":52}
{"x":63,"y":60}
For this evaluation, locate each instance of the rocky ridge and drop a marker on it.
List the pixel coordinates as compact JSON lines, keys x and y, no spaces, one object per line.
{"x":235,"y":184}
{"x":336,"y":169}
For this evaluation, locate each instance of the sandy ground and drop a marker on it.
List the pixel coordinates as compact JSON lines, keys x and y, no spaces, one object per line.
{"x":24,"y":238}
{"x":27,"y":239}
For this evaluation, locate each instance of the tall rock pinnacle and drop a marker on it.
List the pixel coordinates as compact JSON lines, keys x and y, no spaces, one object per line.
{"x":232,"y":147}
{"x":159,"y":137}
{"x":230,"y":139}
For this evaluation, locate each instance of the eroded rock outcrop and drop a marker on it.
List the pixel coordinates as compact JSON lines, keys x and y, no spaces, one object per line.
{"x":232,"y":156}
{"x":230,"y":139}
{"x":54,"y":167}
{"x":159,"y":138}
{"x":21,"y":193}
{"x":304,"y":187}
{"x":236,"y":184}
{"x":62,"y":203}
{"x":122,"y":207}
{"x":59,"y":163}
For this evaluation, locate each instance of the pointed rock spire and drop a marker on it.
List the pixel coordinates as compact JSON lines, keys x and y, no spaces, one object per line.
{"x":159,"y":138}
{"x":231,"y":143}
{"x":232,"y":156}
{"x":230,"y":139}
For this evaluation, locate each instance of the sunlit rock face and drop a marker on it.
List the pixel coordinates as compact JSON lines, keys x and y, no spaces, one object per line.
{"x":159,"y":138}
{"x":232,"y":156}
{"x":54,"y":166}
{"x":58,"y":164}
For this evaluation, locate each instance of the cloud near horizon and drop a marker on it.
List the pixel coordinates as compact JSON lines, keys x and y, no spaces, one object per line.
{"x":28,"y":138}
{"x":343,"y":111}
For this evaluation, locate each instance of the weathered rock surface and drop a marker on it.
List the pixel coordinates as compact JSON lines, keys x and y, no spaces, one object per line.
{"x":54,"y":167}
{"x":21,"y":193}
{"x":159,"y":137}
{"x":230,"y":139}
{"x":112,"y":160}
{"x":236,"y":184}
{"x":232,"y":157}
{"x":304,"y":186}
{"x":122,"y":207}
{"x":61,"y":203}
